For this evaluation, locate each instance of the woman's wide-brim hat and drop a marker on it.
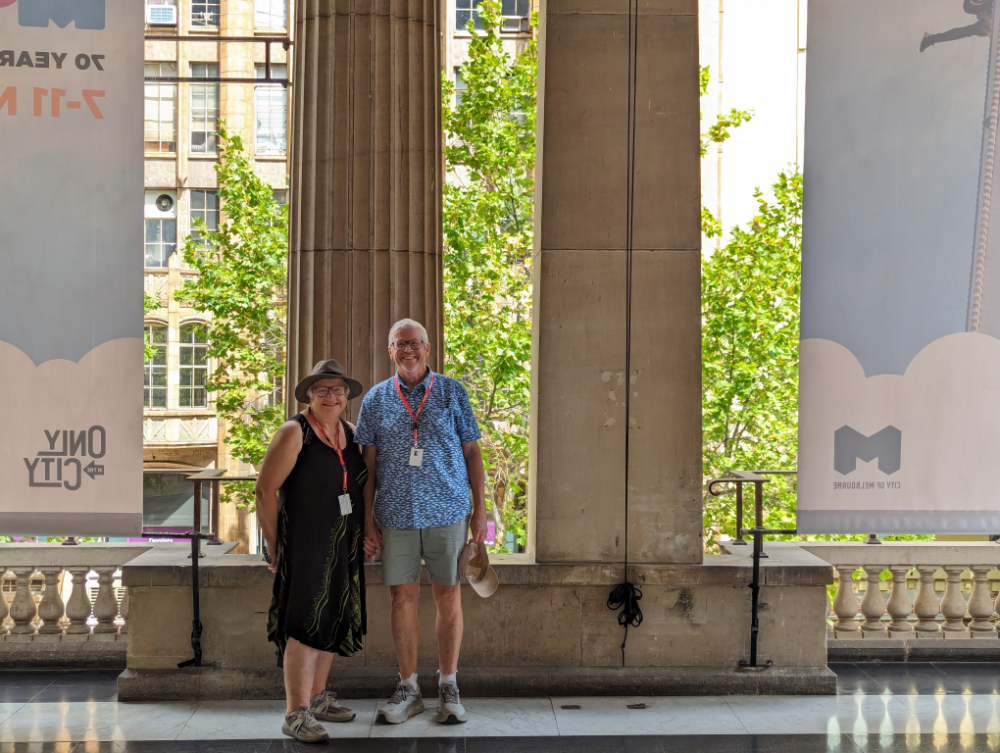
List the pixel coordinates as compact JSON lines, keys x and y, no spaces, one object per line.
{"x":329,"y":369}
{"x":474,"y":566}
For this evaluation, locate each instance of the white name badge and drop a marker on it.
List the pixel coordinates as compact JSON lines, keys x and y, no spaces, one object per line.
{"x":416,"y":457}
{"x":345,"y":504}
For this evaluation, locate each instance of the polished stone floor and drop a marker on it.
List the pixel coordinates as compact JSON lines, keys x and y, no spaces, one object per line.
{"x":879,"y":707}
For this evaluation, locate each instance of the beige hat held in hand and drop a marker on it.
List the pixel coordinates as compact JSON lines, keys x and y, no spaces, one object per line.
{"x":474,"y":565}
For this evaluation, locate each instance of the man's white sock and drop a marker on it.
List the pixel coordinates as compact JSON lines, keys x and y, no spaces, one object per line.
{"x":411,"y":683}
{"x":444,"y":679}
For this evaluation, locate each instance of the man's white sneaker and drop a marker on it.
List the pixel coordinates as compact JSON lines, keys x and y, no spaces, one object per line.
{"x":450,"y":708}
{"x":403,"y":704}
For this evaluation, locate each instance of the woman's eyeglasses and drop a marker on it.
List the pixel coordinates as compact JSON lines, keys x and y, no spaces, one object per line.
{"x":324,"y":391}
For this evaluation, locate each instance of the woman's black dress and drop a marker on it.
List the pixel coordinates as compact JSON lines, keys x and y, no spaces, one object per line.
{"x":319,"y":589}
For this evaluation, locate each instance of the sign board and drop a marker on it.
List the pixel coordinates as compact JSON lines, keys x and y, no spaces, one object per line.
{"x":71,"y":192}
{"x":899,"y":403}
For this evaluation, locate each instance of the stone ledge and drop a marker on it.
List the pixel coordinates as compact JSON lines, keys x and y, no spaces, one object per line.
{"x":789,"y":567}
{"x":63,"y":654}
{"x":913,"y":650}
{"x":208,"y":683}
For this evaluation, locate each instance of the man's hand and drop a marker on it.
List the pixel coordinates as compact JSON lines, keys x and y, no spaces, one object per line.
{"x":273,"y":565}
{"x":373,"y":539}
{"x":477,"y":526}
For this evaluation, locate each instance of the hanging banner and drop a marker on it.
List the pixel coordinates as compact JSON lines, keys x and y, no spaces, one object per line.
{"x":899,"y":403}
{"x":71,"y":192}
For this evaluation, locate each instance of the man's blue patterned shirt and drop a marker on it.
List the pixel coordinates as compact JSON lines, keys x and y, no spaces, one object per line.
{"x":437,"y":492}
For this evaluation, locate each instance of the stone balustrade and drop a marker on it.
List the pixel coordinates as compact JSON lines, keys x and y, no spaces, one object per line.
{"x":66,"y":605}
{"x":908,"y":605}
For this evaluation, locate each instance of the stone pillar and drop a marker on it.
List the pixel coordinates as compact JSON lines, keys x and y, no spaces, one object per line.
{"x":365,"y":235}
{"x":578,"y":423}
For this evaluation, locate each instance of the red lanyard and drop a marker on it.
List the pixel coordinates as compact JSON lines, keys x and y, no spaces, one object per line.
{"x":413,"y":415}
{"x":336,"y":446}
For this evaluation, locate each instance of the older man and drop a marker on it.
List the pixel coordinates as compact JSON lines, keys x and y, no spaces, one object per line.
{"x":419,"y":440}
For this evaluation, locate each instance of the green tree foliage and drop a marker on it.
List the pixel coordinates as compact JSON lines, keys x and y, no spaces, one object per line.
{"x":242,"y":268}
{"x":488,"y":201}
{"x":149,"y":305}
{"x":750,"y":355}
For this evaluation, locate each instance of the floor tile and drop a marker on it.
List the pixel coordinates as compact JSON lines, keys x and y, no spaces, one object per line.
{"x":852,"y":679}
{"x":64,"y":747}
{"x":975,"y":677}
{"x":488,"y":717}
{"x":233,"y":720}
{"x":98,"y":692}
{"x":88,"y":677}
{"x":15,"y":677}
{"x":818,"y":715}
{"x":911,"y":678}
{"x":185,"y":746}
{"x":19,"y":693}
{"x":929,"y":743}
{"x":40,"y":722}
{"x":668,"y":715}
{"x":590,"y":744}
{"x":953,"y":714}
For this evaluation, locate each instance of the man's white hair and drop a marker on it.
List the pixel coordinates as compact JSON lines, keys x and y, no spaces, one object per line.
{"x":405,"y":324}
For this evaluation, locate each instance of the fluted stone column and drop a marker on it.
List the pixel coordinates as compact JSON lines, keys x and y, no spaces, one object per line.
{"x":579,"y":361}
{"x":365,"y":245}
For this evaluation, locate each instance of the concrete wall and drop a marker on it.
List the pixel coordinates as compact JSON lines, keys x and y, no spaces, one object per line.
{"x":546,"y":630}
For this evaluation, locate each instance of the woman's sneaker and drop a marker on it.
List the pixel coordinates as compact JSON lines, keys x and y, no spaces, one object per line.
{"x":403,"y":704}
{"x":450,"y":708}
{"x":324,"y":707}
{"x":302,"y":725}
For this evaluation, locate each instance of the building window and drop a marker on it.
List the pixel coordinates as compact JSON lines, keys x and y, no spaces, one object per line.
{"x":515,"y":16}
{"x":205,"y":13}
{"x":272,"y":112}
{"x":277,"y":395}
{"x":161,"y":108}
{"x":161,"y":241}
{"x":465,"y":11}
{"x":194,"y":366}
{"x":155,"y":394}
{"x":461,"y":87}
{"x":204,"y":109}
{"x":204,"y":205}
{"x":271,"y":14}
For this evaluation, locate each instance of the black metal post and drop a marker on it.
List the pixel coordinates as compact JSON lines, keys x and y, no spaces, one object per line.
{"x":213,"y":523}
{"x":758,"y":517}
{"x":755,"y":592}
{"x":196,"y":626}
{"x":267,"y":61}
{"x":739,"y":540}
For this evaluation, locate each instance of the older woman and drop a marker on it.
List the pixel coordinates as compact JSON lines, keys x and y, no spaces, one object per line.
{"x":311,"y":510}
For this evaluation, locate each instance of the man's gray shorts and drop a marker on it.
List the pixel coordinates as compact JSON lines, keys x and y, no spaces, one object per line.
{"x":440,"y":548}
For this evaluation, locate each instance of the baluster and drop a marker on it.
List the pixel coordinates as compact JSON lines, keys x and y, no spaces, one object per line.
{"x":953,"y":605}
{"x":980,"y":604}
{"x":925,"y":606}
{"x":899,"y":604}
{"x":50,"y":608}
{"x":22,"y":609}
{"x":124,"y":611}
{"x":105,"y":605}
{"x":845,"y":604}
{"x":78,"y":604}
{"x":4,"y":610}
{"x":873,"y":605}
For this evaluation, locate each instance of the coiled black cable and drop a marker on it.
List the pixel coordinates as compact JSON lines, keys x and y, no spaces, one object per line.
{"x":626,"y":598}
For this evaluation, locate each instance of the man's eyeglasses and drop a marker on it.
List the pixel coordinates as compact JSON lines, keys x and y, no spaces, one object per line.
{"x":324,"y":391}
{"x":408,"y":344}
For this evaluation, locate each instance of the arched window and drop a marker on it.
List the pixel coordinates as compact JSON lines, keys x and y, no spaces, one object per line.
{"x":194,"y":366}
{"x":155,"y":393}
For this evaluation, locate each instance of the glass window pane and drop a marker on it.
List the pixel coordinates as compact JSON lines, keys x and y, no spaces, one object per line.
{"x":152,"y":231}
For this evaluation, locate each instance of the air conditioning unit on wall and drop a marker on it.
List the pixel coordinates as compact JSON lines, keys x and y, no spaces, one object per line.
{"x":161,"y":205}
{"x":161,"y":15}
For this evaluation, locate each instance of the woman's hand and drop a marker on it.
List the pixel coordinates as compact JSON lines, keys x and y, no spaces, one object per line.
{"x":273,"y":565}
{"x":373,"y":539}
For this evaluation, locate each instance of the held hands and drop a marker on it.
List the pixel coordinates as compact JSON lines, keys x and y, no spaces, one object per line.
{"x":477,"y":526}
{"x":373,"y":539}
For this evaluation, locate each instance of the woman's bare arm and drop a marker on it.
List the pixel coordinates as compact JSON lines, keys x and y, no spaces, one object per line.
{"x":278,"y":463}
